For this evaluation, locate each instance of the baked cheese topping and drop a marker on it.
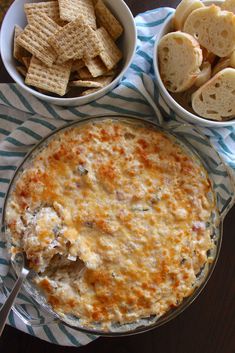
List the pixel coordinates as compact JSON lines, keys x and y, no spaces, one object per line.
{"x":114,"y":218}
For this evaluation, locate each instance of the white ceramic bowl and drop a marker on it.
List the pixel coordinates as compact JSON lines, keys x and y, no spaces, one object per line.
{"x":127,"y":44}
{"x":170,"y":101}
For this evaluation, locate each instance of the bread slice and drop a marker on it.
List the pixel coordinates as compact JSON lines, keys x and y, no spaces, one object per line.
{"x":215,"y":99}
{"x":232,"y":59}
{"x":204,"y":75}
{"x":208,"y":56}
{"x":180,"y":57}
{"x":183,"y":10}
{"x":228,"y":5}
{"x":229,"y":61}
{"x":213,"y":28}
{"x":221,"y":64}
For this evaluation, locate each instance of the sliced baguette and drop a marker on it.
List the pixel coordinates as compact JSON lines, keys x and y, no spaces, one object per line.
{"x":208,"y":56}
{"x":223,"y":63}
{"x":204,"y":75}
{"x":180,"y":58}
{"x":228,"y":5}
{"x":183,"y":10}
{"x":232,"y":59}
{"x":215,"y":99}
{"x":213,"y":28}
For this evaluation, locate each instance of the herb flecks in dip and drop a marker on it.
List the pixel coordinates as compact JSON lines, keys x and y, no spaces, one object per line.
{"x":113,"y":218}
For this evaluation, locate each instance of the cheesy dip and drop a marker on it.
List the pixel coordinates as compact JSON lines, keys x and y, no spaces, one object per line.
{"x":114,"y":217}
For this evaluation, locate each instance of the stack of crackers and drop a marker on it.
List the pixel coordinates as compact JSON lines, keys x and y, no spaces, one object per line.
{"x":68,"y":44}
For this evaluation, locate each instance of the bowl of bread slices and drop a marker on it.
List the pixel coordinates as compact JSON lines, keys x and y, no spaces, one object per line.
{"x":194,"y":62}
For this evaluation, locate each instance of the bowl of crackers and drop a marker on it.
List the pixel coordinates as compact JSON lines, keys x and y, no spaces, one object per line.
{"x":65,"y":52}
{"x":194,"y":62}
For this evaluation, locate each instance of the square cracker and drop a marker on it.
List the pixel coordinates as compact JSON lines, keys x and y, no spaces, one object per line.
{"x":71,"y":9}
{"x":26,"y":61}
{"x":96,"y":66}
{"x":110,"y":54}
{"x":19,"y":52}
{"x":97,"y":82}
{"x":83,"y":83}
{"x":76,"y":40}
{"x":84,"y":73}
{"x":52,"y":79}
{"x":50,"y":8}
{"x":89,"y":91}
{"x":107,"y":20}
{"x":77,"y":65}
{"x":104,"y":80}
{"x":35,"y":37}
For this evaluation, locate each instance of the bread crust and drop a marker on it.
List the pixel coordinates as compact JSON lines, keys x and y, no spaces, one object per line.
{"x":204,"y":75}
{"x":213,"y":28}
{"x":215,"y":99}
{"x":229,"y":61}
{"x":180,"y":58}
{"x":228,"y":5}
{"x":183,"y":10}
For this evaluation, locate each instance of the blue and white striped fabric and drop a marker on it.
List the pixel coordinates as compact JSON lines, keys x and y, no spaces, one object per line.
{"x":25,"y":120}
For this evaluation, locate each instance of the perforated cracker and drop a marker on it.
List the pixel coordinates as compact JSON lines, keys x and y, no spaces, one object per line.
{"x":104,"y":80}
{"x":96,"y":66}
{"x":107,"y":20}
{"x":35,"y":37}
{"x":84,"y":73}
{"x":50,"y":8}
{"x":52,"y":79}
{"x":76,"y":40}
{"x":110,"y":54}
{"x":26,"y":61}
{"x":77,"y":65}
{"x":71,"y":9}
{"x":83,"y":83}
{"x":89,"y":91}
{"x":19,"y":51}
{"x":97,"y":82}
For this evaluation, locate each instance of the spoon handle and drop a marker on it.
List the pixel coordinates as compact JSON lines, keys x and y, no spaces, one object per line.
{"x":6,"y":308}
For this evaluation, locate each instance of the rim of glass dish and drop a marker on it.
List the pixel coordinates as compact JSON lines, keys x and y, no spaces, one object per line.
{"x":173,"y":313}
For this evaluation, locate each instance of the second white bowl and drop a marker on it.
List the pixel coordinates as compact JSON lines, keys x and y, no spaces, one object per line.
{"x":170,"y":101}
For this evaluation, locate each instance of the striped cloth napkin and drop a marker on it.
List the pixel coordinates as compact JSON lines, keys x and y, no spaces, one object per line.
{"x":25,"y":120}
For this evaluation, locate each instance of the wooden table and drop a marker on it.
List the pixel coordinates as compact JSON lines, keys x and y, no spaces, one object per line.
{"x":207,"y":326}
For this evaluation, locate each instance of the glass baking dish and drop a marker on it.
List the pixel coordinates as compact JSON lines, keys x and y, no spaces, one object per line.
{"x":37,"y":312}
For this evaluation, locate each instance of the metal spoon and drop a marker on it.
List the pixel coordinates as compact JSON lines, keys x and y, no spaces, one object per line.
{"x":6,"y":308}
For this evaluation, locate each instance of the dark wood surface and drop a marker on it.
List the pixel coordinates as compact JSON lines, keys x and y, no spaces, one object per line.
{"x":207,"y":326}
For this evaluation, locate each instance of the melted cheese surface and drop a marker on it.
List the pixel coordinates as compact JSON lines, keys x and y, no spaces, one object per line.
{"x":114,"y":219}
